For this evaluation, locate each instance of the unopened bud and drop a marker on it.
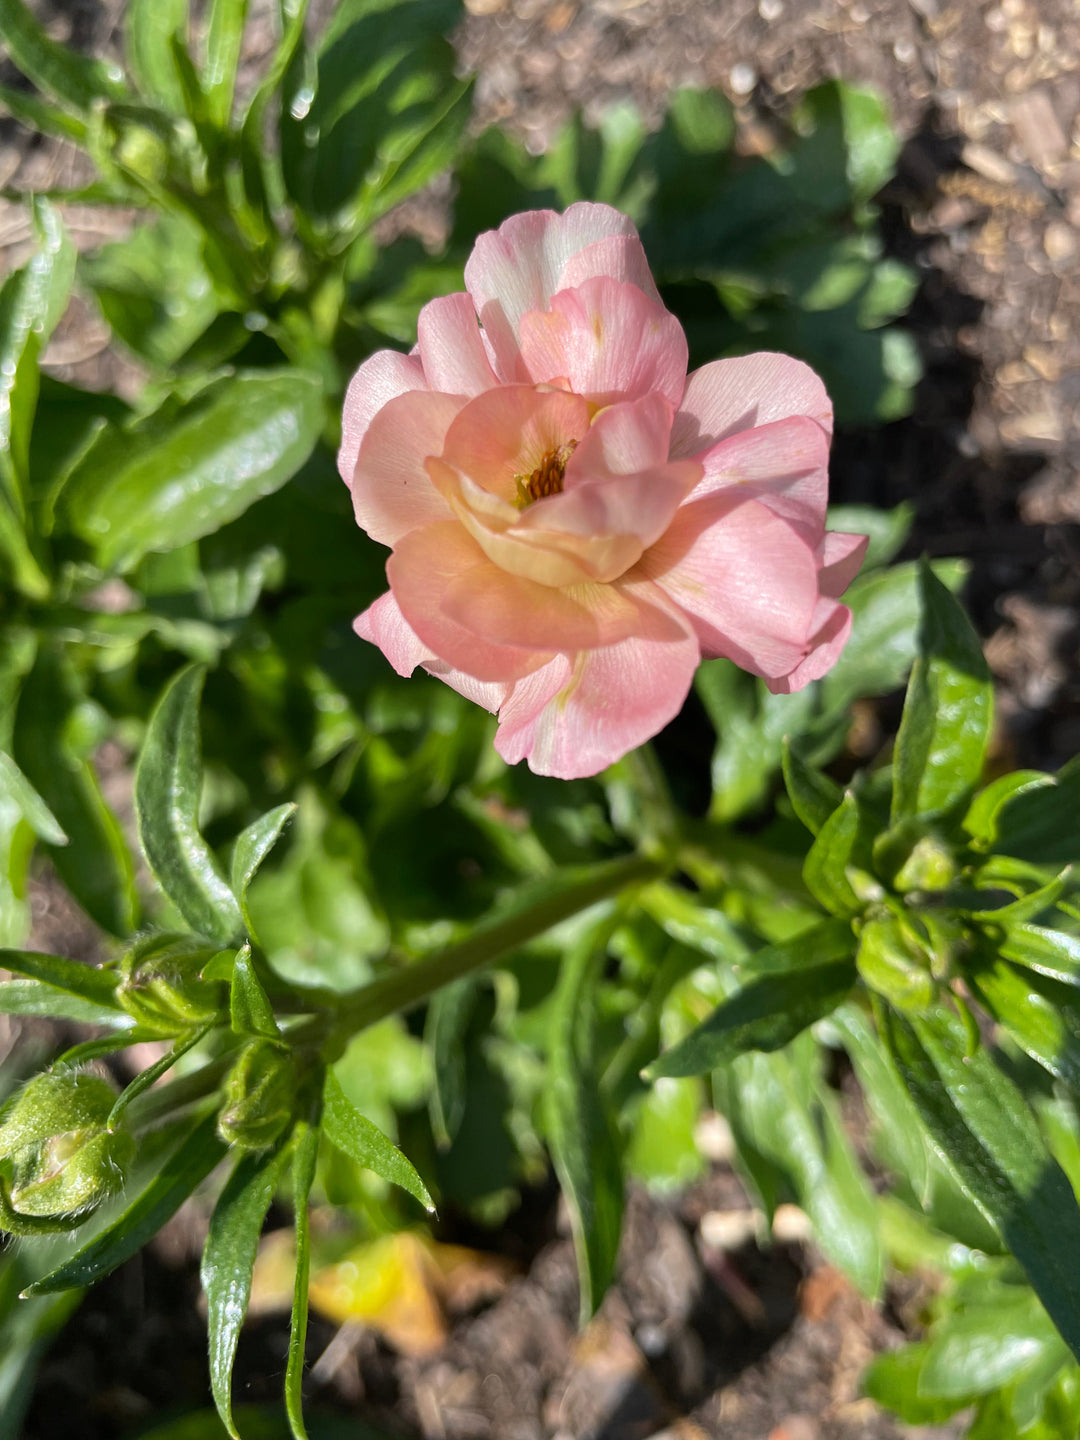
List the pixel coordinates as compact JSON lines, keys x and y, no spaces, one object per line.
{"x":161,"y":984}
{"x":894,"y":965}
{"x":930,"y":866}
{"x":260,"y":1094}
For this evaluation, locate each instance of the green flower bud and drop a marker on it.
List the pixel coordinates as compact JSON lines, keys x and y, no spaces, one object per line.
{"x":62,"y":1159}
{"x":896,"y":966}
{"x":930,"y":866}
{"x":161,"y":983}
{"x":260,"y":1093}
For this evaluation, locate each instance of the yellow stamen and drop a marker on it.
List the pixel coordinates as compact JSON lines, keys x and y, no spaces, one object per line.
{"x":546,"y":479}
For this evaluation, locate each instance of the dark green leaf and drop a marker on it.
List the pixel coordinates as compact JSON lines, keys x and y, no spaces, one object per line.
{"x":886,"y":529}
{"x":252,"y":847}
{"x":305,"y":1154}
{"x":154,"y":1072}
{"x":983,"y":1126}
{"x":182,"y":1172}
{"x":14,"y":784}
{"x":357,"y":1137}
{"x":87,"y":982}
{"x":177,"y":477}
{"x":813,"y":795}
{"x":948,"y":710}
{"x":832,"y":855}
{"x":580,"y":1129}
{"x":224,"y":36}
{"x":1042,"y":1015}
{"x":1049,"y":952}
{"x":74,"y":80}
{"x":228,"y":1260}
{"x":149,"y":26}
{"x":982,"y":821}
{"x":447,"y":1021}
{"x":250,"y":1011}
{"x":1038,"y":823}
{"x":168,"y":782}
{"x":31,"y":997}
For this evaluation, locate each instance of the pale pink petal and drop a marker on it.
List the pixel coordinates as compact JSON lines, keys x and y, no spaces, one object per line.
{"x":423,"y":566}
{"x":384,"y":625}
{"x":620,"y":256}
{"x":625,"y":438}
{"x":744,"y":577}
{"x":392,"y":491}
{"x":451,"y":347}
{"x":830,"y":630}
{"x":612,"y":701}
{"x":737,"y":394}
{"x":840,"y":558}
{"x":609,"y":340}
{"x":488,"y":693}
{"x":380,"y":378}
{"x":784,"y":464}
{"x":506,"y":433}
{"x":517,"y":268}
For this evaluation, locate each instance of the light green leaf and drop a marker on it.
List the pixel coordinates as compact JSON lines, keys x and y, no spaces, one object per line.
{"x":32,"y":997}
{"x":893,"y":965}
{"x":250,"y":1011}
{"x":305,"y":1154}
{"x":886,"y":529}
{"x":252,"y":847}
{"x":224,"y":37}
{"x":1048,"y":952}
{"x":814,"y":797}
{"x":228,"y":1261}
{"x":892,"y":1380}
{"x":87,"y":982}
{"x":357,"y":1137}
{"x":74,"y":80}
{"x":154,"y":1072}
{"x":38,"y":114}
{"x":831,"y":855}
{"x":149,"y":26}
{"x":1041,"y":1015}
{"x":984,"y":1348}
{"x":168,"y":782}
{"x":17,"y":788}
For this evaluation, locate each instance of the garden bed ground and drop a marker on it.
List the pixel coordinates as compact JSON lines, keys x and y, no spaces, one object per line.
{"x":987,"y":205}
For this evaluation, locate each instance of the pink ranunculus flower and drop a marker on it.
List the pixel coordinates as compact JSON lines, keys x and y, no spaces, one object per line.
{"x":574,"y":522}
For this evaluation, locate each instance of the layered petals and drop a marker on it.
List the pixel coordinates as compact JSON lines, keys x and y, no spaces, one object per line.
{"x":726,"y":396}
{"x":391,"y":491}
{"x":379,"y":380}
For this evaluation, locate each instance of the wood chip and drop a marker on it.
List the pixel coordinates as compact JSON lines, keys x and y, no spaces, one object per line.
{"x":1039,"y":131}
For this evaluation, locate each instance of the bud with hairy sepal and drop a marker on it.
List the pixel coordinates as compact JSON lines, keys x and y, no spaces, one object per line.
{"x":162,"y":987}
{"x":260,"y":1095}
{"x":62,"y":1159}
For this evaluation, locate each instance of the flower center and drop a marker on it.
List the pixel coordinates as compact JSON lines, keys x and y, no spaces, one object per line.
{"x":547,"y":478}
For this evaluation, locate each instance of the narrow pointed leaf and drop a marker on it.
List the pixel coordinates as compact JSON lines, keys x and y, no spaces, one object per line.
{"x":72,"y":79}
{"x":149,"y":27}
{"x":825,"y":870}
{"x":1049,"y":952}
{"x":448,"y":1016}
{"x":252,"y":847}
{"x":16,"y":787}
{"x":814,"y":797}
{"x":73,"y":977}
{"x":38,"y":114}
{"x":154,"y":1072}
{"x":168,"y":783}
{"x":228,"y":1261}
{"x":357,"y":1137}
{"x":31,"y":997}
{"x":305,"y":1154}
{"x":1041,"y":1015}
{"x":250,"y":1011}
{"x":224,"y":36}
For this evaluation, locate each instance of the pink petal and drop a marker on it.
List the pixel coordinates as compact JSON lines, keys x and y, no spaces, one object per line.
{"x":575,"y":724}
{"x":745,"y":579}
{"x":506,"y":432}
{"x":831,"y":628}
{"x":622,"y":257}
{"x":784,"y":464}
{"x":421,"y":570}
{"x":384,"y":625}
{"x":609,"y":340}
{"x":517,"y":268}
{"x":840,"y":558}
{"x":737,"y":394}
{"x":625,"y":438}
{"x":488,"y":693}
{"x":392,"y":492}
{"x":380,"y":378}
{"x":451,"y":347}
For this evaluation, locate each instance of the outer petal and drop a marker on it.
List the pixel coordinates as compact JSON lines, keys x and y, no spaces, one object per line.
{"x":609,"y":340}
{"x":784,"y":464}
{"x":451,"y":347}
{"x":384,"y":625}
{"x":830,"y":630}
{"x":840,"y":558}
{"x":737,"y":394}
{"x":392,"y":493}
{"x":745,"y":579}
{"x":420,"y":571}
{"x":518,"y":267}
{"x":488,"y":693}
{"x":622,"y":257}
{"x":613,"y":700}
{"x":381,"y":377}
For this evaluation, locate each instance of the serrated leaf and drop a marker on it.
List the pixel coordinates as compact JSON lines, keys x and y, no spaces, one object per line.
{"x":252,"y":847}
{"x":948,"y":710}
{"x":814,"y":797}
{"x":580,"y":1130}
{"x":983,"y":1126}
{"x":357,"y":1137}
{"x":305,"y":1154}
{"x":250,"y":1011}
{"x":227,"y":1263}
{"x":185,"y":1169}
{"x":17,"y":788}
{"x":168,"y":782}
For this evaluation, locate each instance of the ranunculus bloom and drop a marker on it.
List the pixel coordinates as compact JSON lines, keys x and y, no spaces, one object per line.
{"x":574,"y":521}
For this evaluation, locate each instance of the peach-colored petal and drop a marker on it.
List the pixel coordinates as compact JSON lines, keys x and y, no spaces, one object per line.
{"x":574,"y":724}
{"x":748,"y":390}
{"x":840,"y":558}
{"x":830,"y":630}
{"x":488,"y":693}
{"x":744,"y":577}
{"x":518,"y":267}
{"x":451,"y":347}
{"x":384,"y":625}
{"x":620,"y":256}
{"x":784,"y":464}
{"x":380,"y":378}
{"x":624,"y":439}
{"x":424,"y":565}
{"x":506,"y":433}
{"x":392,"y":492}
{"x":609,"y":340}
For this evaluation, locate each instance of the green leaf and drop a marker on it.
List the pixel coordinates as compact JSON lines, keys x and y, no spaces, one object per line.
{"x":891,"y":962}
{"x":814,"y":797}
{"x":948,"y":710}
{"x":984,"y":1348}
{"x":983,"y":1126}
{"x":178,"y":476}
{"x":225,"y":34}
{"x":56,"y":731}
{"x":37,"y":114}
{"x":168,"y":782}
{"x":14,"y":784}
{"x":357,"y":1137}
{"x":448,"y":1016}
{"x":982,"y":821}
{"x":228,"y":1260}
{"x":831,"y":856}
{"x":305,"y":1154}
{"x":766,"y":1015}
{"x":1048,"y":952}
{"x":74,"y":80}
{"x":1038,"y":822}
{"x":72,"y":977}
{"x":252,"y":847}
{"x":250,"y":1011}
{"x":892,"y":1380}
{"x":1041,"y":1015}
{"x":579,"y":1128}
{"x":154,"y":1072}
{"x":886,"y":529}
{"x":149,"y":26}
{"x":185,"y":1169}
{"x":31,"y":997}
